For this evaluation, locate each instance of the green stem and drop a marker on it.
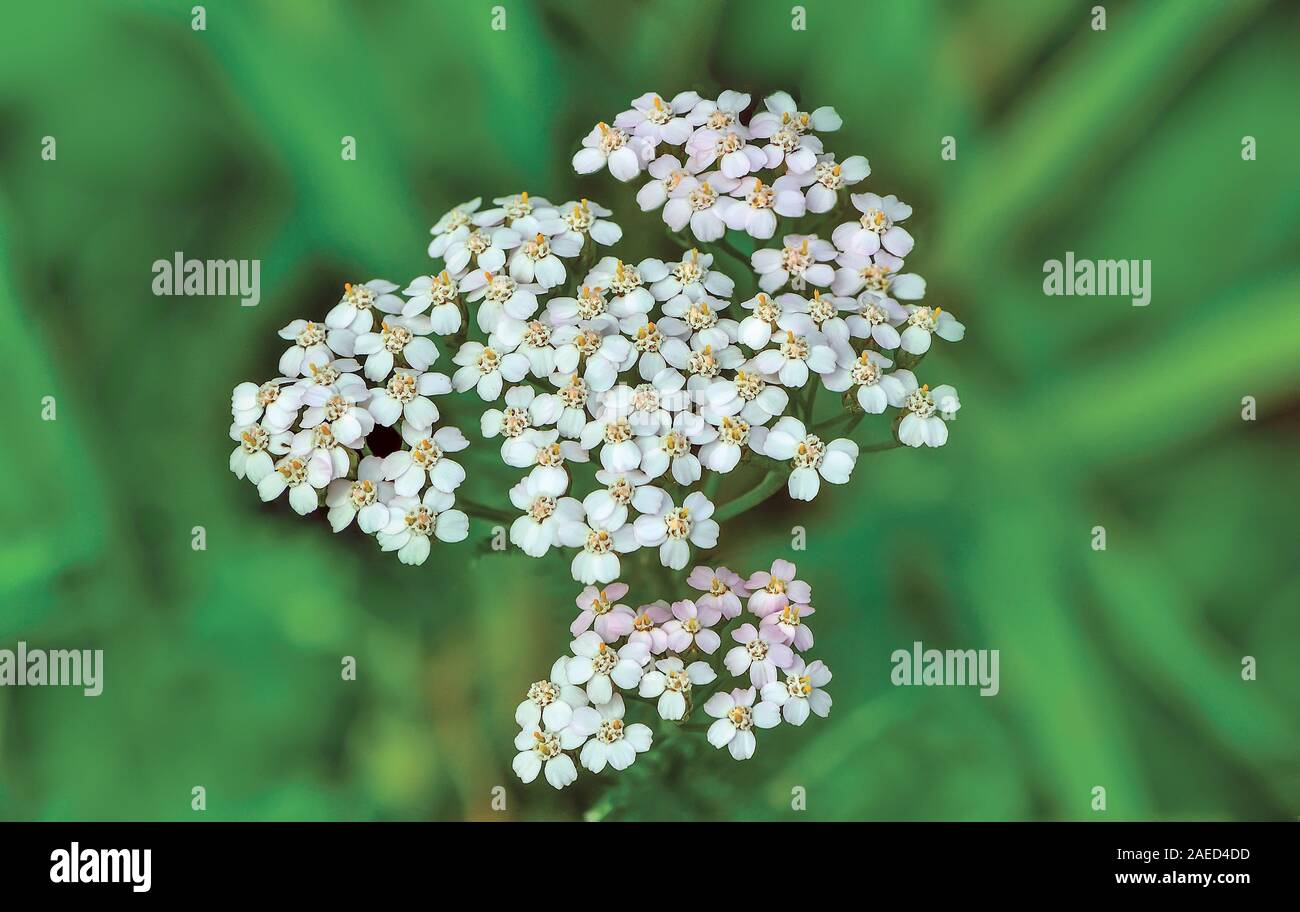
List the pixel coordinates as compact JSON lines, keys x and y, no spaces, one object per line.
{"x":770,"y":484}
{"x":482,"y":511}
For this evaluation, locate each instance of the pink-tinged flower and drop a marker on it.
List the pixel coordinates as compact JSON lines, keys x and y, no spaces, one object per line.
{"x":551,"y":701}
{"x":690,"y":627}
{"x":596,"y":665}
{"x":653,"y":119}
{"x":737,"y":715}
{"x":773,"y":590}
{"x":597,"y":607}
{"x":671,"y":681}
{"x":800,"y":692}
{"x":613,"y":742}
{"x":723,"y":589}
{"x":647,"y":628}
{"x":789,"y":626}
{"x":760,"y":652}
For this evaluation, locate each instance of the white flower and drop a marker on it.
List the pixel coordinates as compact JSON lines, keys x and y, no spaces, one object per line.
{"x":620,"y":452}
{"x":503,"y":298}
{"x":546,"y":454}
{"x":609,"y":505}
{"x":923,"y":322}
{"x":747,"y":395}
{"x":545,"y":510}
{"x":673,"y":529}
{"x":310,"y":346}
{"x":737,"y":715}
{"x":340,"y":407}
{"x":534,"y":340}
{"x":355,"y":310}
{"x":822,"y":312}
{"x":670,"y":179}
{"x":458,"y":217}
{"x":411,"y":522}
{"x":757,"y":207}
{"x":673,"y":449}
{"x":310,"y":443}
{"x":612,"y":147}
{"x":440,"y":295}
{"x":537,"y":259}
{"x":302,"y":476}
{"x":782,"y":109}
{"x":800,"y":691}
{"x":545,"y":748}
{"x":657,"y":122}
{"x":573,"y":394}
{"x":878,"y":227}
{"x":811,"y":458}
{"x":596,"y":665}
{"x":512,"y":208}
{"x":525,"y":410}
{"x":927,"y":410}
{"x":426,"y":459}
{"x":730,"y":148}
{"x":406,"y":395}
{"x":485,"y":370}
{"x":801,"y":261}
{"x":693,"y":278}
{"x":275,"y":404}
{"x":404,"y":336}
{"x":703,"y":207}
{"x":876,"y":389}
{"x":720,"y":114}
{"x":875,"y":319}
{"x":795,"y":354}
{"x":821,"y":184}
{"x":365,"y":499}
{"x":482,"y":248}
{"x":877,"y":274}
{"x":630,"y":300}
{"x":601,"y":348}
{"x":252,"y":458}
{"x":671,"y":681}
{"x":550,"y":702}
{"x":601,"y":542}
{"x":583,"y":219}
{"x":613,"y":742}
{"x":723,"y":454}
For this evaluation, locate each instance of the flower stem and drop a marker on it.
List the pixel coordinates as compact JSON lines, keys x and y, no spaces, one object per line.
{"x":746,"y":502}
{"x":482,"y":511}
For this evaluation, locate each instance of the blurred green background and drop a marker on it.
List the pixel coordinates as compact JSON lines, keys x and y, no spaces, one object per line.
{"x":1119,"y":668}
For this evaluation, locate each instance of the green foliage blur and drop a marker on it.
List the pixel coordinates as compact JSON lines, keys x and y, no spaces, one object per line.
{"x":1119,"y":668}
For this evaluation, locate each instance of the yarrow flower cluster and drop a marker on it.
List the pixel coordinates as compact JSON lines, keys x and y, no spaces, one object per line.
{"x":671,"y":658}
{"x":615,"y":384}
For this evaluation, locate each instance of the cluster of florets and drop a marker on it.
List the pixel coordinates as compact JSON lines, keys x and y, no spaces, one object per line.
{"x":614,"y":384}
{"x":669,"y":657}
